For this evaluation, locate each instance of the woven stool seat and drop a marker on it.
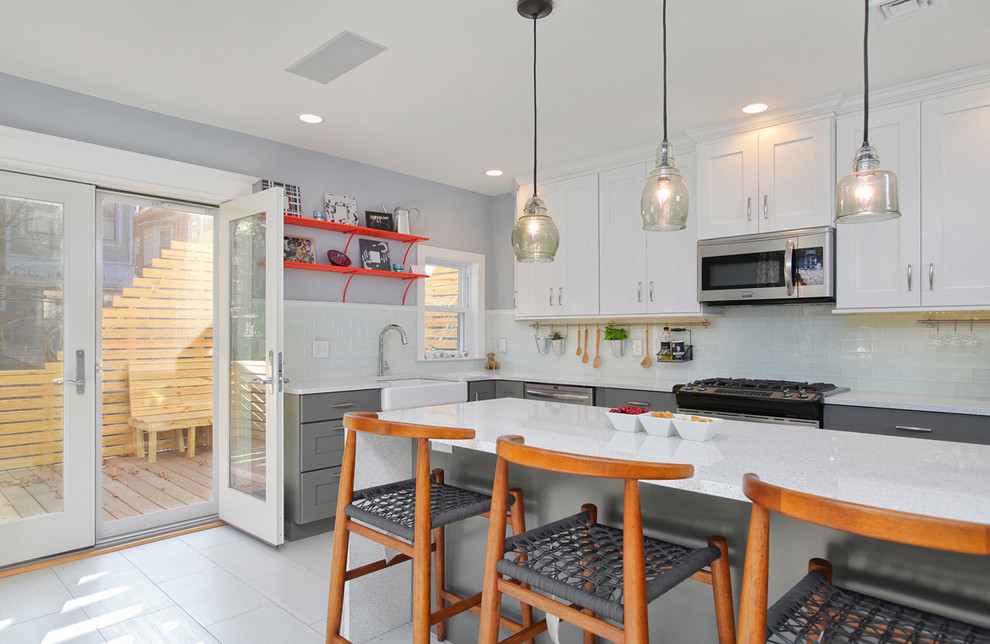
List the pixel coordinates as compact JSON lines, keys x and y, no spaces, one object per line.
{"x":581,"y":561}
{"x":816,"y":611}
{"x":392,"y":507}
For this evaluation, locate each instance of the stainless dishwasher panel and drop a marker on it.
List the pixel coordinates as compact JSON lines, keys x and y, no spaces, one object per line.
{"x":559,"y":393}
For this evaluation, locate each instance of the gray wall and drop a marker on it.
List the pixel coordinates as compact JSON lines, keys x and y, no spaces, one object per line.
{"x":500,"y":265}
{"x":452,"y":217}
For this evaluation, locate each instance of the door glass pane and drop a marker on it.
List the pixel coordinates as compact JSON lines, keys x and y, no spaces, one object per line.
{"x":157,"y":357}
{"x":31,"y":318}
{"x":247,"y":354}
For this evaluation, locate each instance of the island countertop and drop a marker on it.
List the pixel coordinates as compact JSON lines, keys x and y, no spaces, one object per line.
{"x":933,"y":478}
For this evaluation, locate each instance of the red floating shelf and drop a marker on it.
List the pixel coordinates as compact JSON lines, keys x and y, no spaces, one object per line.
{"x":352,"y":230}
{"x":352,"y":270}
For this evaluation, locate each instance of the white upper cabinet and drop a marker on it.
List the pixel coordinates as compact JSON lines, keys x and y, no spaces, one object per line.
{"x":778,"y":178}
{"x":955,"y":198}
{"x":567,"y":286}
{"x":878,"y":264}
{"x":645,"y":272}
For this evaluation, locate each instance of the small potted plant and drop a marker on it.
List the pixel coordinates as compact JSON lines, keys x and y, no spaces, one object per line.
{"x":616,"y":335}
{"x":557,"y":341}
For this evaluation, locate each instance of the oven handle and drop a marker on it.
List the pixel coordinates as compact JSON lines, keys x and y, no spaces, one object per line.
{"x":789,"y":267}
{"x":750,"y":418}
{"x":550,"y":395}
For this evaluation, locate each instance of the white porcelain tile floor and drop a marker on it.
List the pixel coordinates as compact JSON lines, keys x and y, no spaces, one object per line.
{"x":209,"y":587}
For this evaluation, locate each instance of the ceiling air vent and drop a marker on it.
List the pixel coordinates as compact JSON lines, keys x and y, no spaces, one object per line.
{"x":336,"y":57}
{"x":894,"y":10}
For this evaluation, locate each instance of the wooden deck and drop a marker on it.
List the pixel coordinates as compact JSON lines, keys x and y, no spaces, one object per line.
{"x":131,"y":486}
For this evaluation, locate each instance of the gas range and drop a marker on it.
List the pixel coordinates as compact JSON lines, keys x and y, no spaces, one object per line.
{"x":772,"y":401}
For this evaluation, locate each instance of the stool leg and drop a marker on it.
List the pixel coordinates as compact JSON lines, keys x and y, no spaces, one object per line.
{"x":341,"y":538}
{"x":491,"y":597}
{"x":439,"y":578}
{"x":421,"y":546}
{"x":722,"y":588}
{"x":517,"y":519}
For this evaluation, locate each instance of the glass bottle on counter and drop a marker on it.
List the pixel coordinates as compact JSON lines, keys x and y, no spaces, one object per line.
{"x":666,"y":345}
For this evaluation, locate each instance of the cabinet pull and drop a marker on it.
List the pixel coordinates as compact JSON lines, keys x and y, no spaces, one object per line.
{"x":335,"y":475}
{"x":514,"y":293}
{"x":765,"y":208}
{"x":909,"y":278}
{"x":560,"y":296}
{"x":651,"y":290}
{"x":476,"y":394}
{"x":638,"y":403}
{"x":908,"y":428}
{"x":931,"y":276}
{"x":639,"y":291}
{"x":341,"y":405}
{"x":339,"y":428}
{"x":551,"y":296}
{"x":749,"y":209}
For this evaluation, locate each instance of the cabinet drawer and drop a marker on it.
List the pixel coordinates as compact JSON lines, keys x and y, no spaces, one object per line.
{"x":508,"y":389}
{"x":481,"y":390}
{"x":318,"y":494}
{"x":317,"y":407}
{"x":961,"y":428}
{"x":321,"y":445}
{"x":654,"y":400}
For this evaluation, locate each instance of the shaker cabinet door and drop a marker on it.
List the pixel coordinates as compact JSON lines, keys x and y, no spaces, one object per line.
{"x":624,"y":287}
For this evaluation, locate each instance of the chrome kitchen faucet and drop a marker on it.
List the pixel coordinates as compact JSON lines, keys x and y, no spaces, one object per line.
{"x":382,"y":365}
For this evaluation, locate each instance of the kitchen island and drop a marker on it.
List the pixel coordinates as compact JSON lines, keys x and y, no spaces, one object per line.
{"x":941,"y":479}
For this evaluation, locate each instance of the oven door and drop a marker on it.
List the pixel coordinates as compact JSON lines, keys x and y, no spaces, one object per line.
{"x":778,"y":266}
{"x":753,"y":418}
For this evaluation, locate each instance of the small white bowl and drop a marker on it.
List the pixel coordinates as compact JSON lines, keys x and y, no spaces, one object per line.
{"x":656,"y":426}
{"x":693,"y":430}
{"x":625,"y":422}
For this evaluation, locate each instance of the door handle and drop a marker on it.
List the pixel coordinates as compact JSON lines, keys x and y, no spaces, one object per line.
{"x":80,"y":380}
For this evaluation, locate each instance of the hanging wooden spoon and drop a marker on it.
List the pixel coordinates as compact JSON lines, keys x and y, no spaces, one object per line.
{"x":647,"y":361}
{"x":598,"y":340}
{"x":585,"y":358}
{"x":579,"y":342}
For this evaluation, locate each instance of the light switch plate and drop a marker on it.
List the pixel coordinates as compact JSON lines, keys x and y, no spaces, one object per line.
{"x":321,"y":348}
{"x":503,"y":345}
{"x":637,"y":348}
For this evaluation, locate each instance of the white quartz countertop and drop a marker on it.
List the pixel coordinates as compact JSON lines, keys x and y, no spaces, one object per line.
{"x":934,"y":478}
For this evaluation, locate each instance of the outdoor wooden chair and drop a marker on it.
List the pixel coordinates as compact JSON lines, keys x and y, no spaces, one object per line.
{"x":815,"y":610}
{"x":604,"y":576}
{"x":403,"y":516}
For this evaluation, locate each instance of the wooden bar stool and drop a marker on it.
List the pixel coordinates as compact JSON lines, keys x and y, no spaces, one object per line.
{"x":598,"y":571}
{"x":403,"y":516}
{"x":817,"y":611}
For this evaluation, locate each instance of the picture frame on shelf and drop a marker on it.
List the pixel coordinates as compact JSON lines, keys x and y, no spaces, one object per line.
{"x":298,"y":249}
{"x":293,"y":196}
{"x":340,"y":209}
{"x":374,"y":254}
{"x":379,"y":220}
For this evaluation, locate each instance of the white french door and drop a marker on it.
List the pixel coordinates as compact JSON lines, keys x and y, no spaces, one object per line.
{"x":48,"y":389}
{"x":248,"y":398}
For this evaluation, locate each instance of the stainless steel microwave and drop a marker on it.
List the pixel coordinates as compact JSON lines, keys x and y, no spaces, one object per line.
{"x":784,"y":266}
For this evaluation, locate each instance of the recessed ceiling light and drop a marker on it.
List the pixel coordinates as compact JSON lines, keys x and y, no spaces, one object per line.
{"x":310,"y":118}
{"x":755,"y":108}
{"x":494,"y":173}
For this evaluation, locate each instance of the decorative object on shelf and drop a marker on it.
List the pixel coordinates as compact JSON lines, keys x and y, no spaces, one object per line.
{"x":379,"y":220}
{"x":298,"y":249}
{"x":535,"y":237}
{"x":492,"y":364}
{"x":399,"y":268}
{"x":319,"y":215}
{"x":340,"y":209}
{"x":664,"y":204}
{"x":402,"y":224}
{"x":557,"y":342}
{"x":374,"y":254}
{"x":869,"y":193}
{"x":293,"y":205}
{"x":337,"y":258}
{"x":673,"y":349}
{"x":616,"y":336}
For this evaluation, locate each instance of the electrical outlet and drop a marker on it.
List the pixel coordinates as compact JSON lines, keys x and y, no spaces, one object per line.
{"x":637,"y":348}
{"x":503,"y":344}
{"x":321,"y":348}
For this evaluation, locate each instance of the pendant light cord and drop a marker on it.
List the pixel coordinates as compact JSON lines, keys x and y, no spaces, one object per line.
{"x":534,"y":104}
{"x":866,"y":73}
{"x":664,"y":71}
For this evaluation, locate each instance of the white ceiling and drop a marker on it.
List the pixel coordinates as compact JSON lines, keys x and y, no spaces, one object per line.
{"x":452,"y":95}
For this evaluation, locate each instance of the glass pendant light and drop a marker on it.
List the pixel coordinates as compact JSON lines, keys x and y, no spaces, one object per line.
{"x":869,"y":193}
{"x":535,"y":237}
{"x":664,"y":205}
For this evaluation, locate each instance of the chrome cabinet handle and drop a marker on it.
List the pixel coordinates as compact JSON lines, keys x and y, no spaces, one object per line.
{"x":339,"y":428}
{"x":789,"y":267}
{"x":651,"y":290}
{"x":931,"y":276}
{"x":551,"y":296}
{"x":749,"y":209}
{"x":639,"y":291}
{"x":514,"y":294}
{"x":765,"y":208}
{"x":335,"y":475}
{"x":560,"y":296}
{"x":341,"y":405}
{"x":909,"y":278}
{"x":638,"y":404}
{"x":908,"y":428}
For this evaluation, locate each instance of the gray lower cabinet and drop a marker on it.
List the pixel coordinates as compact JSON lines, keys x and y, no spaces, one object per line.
{"x":961,"y":428}
{"x":508,"y":389}
{"x":612,"y":397}
{"x":481,"y":390}
{"x":314,"y":451}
